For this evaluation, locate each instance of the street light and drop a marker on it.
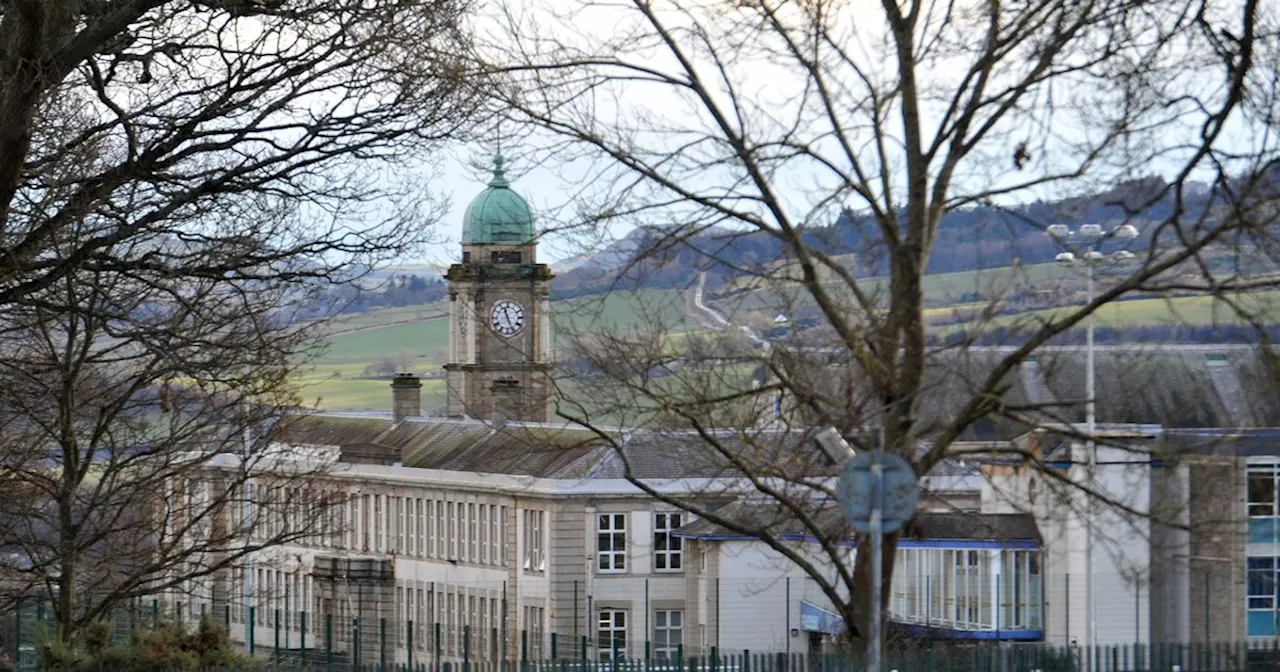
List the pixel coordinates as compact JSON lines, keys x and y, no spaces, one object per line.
{"x":1088,"y":240}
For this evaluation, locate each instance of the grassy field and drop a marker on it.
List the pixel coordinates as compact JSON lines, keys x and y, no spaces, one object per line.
{"x":419,"y":336}
{"x":1181,"y":310}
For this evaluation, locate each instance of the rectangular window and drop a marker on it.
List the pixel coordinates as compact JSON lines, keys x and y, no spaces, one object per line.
{"x":431,"y":529}
{"x":494,"y":542}
{"x":410,"y":527}
{"x":501,"y":527}
{"x":484,"y":534}
{"x":666,"y":547}
{"x":418,"y":525}
{"x":366,"y":523}
{"x":399,"y":525}
{"x":473,"y":554}
{"x":668,"y":633}
{"x":440,"y":543}
{"x":611,"y":542}
{"x":534,"y":555}
{"x":450,"y":513}
{"x":533,"y":623}
{"x":1262,"y":491}
{"x":379,"y":523}
{"x":464,"y":530}
{"x":1262,"y":583}
{"x":611,"y":640}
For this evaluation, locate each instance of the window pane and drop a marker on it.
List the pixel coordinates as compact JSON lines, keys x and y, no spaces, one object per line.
{"x":619,"y":619}
{"x":660,"y":618}
{"x":1262,"y":493}
{"x":675,"y":561}
{"x":660,"y":562}
{"x":619,"y":542}
{"x":618,"y":521}
{"x":605,"y":541}
{"x":604,"y":522}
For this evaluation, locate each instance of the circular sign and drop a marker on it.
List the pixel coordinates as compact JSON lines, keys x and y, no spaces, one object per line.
{"x":858,"y":491}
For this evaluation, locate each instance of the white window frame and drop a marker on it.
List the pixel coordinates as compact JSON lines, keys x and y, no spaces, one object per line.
{"x":473,"y":534}
{"x":611,"y":560}
{"x":664,"y":524}
{"x":613,"y":622}
{"x":535,"y":556}
{"x":1265,"y":472}
{"x":482,"y":529}
{"x":662,"y":623}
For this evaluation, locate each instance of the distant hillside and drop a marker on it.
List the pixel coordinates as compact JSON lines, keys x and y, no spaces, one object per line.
{"x":973,"y":238}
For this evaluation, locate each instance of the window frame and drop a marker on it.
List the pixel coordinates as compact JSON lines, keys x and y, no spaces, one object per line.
{"x":1264,"y":473}
{"x":612,"y":560}
{"x":616,"y":627}
{"x":663,"y":553}
{"x":667,"y":651}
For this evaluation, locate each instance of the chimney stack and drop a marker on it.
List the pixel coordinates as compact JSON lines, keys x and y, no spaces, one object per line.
{"x":406,"y":397}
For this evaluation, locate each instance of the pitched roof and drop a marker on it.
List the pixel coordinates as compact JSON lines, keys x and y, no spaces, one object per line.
{"x":774,"y":519}
{"x":1171,"y":385}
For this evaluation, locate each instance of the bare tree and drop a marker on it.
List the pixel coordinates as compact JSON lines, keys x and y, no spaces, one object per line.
{"x":727,"y":122}
{"x":178,"y":122}
{"x":180,"y":182}
{"x":136,"y":413}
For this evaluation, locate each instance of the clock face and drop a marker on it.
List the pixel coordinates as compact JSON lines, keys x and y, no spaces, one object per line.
{"x":507,"y":317}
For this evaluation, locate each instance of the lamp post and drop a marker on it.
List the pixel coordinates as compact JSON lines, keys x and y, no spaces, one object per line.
{"x":1089,"y":239}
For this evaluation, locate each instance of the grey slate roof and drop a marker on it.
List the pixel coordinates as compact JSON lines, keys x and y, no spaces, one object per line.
{"x":1173,"y":386}
{"x":775,"y":520}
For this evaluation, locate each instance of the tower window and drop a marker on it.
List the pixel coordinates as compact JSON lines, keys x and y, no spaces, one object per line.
{"x":505,"y":257}
{"x":505,"y":385}
{"x":466,"y":257}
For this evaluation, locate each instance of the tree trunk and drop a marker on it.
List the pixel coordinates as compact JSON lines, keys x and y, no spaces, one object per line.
{"x":858,"y":637}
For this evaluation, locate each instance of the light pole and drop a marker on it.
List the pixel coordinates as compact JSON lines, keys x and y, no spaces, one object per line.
{"x":1088,"y":239}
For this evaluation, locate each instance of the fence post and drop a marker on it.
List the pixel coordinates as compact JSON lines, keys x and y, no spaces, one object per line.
{"x":787,"y":609}
{"x":276,"y":654}
{"x":382,"y":644}
{"x":355,"y":636}
{"x":253,"y":625}
{"x":302,"y":628}
{"x":524,"y":650}
{"x":553,"y":647}
{"x":438,"y":649}
{"x":226,"y":617}
{"x":409,"y":628}
{"x":328,"y":642}
{"x":17,"y":634}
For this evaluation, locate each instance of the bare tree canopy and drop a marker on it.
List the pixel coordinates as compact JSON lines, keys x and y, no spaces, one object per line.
{"x":715,"y":121}
{"x":266,"y":129}
{"x":179,"y":182}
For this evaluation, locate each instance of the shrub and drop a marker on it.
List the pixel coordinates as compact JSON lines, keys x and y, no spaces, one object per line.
{"x":168,"y":647}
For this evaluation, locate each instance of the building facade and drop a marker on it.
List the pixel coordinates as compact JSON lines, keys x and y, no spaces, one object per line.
{"x":494,"y":534}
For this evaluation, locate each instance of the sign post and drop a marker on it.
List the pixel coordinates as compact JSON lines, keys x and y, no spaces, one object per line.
{"x":878,"y":492}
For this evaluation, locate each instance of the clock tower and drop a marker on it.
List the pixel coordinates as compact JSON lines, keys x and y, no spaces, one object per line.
{"x":500,"y":358}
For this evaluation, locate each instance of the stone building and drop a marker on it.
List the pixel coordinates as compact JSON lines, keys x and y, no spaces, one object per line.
{"x":483,"y":534}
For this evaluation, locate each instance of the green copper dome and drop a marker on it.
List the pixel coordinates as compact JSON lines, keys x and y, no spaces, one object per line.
{"x":498,"y":214}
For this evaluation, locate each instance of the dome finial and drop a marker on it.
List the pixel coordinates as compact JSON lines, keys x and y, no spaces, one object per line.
{"x":499,"y":175}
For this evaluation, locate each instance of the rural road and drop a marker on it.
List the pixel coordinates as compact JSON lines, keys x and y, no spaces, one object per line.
{"x":717,"y":320}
